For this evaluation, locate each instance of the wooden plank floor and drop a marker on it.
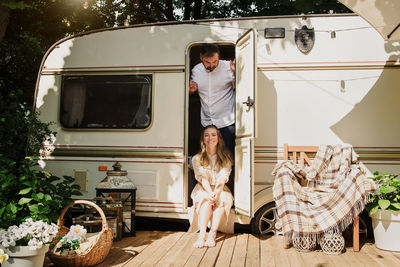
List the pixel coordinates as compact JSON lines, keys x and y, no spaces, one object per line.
{"x":157,"y":248}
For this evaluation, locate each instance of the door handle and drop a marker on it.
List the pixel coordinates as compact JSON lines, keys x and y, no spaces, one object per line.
{"x":249,"y":102}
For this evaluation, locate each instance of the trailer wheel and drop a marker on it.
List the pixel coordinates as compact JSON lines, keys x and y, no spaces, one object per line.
{"x":364,"y":224}
{"x":266,"y":221}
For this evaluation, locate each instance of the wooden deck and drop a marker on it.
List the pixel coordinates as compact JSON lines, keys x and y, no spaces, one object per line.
{"x":157,"y":248}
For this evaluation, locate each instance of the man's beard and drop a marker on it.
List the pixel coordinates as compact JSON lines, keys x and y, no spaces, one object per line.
{"x":210,"y":69}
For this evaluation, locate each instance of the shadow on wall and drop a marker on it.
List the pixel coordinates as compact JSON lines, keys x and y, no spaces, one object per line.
{"x":267,"y":112}
{"x":375,"y":120}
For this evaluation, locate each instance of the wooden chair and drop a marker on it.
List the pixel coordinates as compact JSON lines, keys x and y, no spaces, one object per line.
{"x":299,"y":153}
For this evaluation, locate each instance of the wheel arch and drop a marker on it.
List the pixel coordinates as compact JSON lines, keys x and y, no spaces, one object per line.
{"x":263,"y":197}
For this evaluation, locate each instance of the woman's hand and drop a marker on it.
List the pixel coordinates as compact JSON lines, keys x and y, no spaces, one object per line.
{"x":217,"y":193}
{"x":210,"y":193}
{"x":212,"y":198}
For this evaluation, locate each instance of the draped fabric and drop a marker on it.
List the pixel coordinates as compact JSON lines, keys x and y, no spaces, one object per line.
{"x":337,"y":190}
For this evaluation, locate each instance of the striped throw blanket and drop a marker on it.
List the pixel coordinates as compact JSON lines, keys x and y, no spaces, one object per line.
{"x":337,"y":190}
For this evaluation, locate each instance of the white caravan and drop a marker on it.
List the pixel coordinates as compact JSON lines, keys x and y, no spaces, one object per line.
{"x":121,"y":94}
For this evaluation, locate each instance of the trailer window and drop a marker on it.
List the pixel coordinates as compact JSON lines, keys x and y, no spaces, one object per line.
{"x":106,"y":102}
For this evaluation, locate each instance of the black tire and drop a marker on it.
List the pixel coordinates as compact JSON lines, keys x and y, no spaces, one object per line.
{"x":266,"y":221}
{"x":365,"y":225}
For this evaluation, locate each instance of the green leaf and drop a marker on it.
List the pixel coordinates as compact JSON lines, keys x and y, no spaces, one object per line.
{"x":12,"y":4}
{"x":53,"y":179}
{"x":2,"y":211}
{"x":35,"y":197}
{"x":47,"y":197}
{"x":40,"y":196}
{"x":396,"y":205}
{"x":5,"y":185}
{"x":11,"y":207}
{"x":27,"y":183}
{"x":75,"y":186}
{"x":387,"y":189}
{"x":76,"y":193}
{"x":384,"y":203}
{"x":25,"y":191}
{"x":373,"y":209}
{"x":34,"y":208}
{"x":43,"y":218}
{"x":43,"y":209}
{"x":24,"y":200}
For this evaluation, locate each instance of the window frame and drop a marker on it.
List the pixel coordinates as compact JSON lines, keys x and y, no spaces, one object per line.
{"x":74,"y":74}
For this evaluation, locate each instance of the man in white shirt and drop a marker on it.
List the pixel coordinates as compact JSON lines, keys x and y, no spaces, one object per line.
{"x":214,"y":79}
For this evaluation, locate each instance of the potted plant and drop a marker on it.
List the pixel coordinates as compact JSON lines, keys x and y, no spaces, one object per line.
{"x":27,"y":243}
{"x":30,"y":200}
{"x":384,"y":209}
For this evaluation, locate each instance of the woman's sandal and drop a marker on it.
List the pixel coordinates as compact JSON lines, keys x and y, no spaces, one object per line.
{"x":211,"y":239}
{"x":199,"y":242}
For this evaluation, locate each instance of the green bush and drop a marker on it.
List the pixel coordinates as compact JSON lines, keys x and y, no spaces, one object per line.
{"x":27,"y":192}
{"x":25,"y":189}
{"x":21,"y":131}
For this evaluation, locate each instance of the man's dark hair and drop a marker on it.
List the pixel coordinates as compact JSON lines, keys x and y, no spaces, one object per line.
{"x":208,"y":50}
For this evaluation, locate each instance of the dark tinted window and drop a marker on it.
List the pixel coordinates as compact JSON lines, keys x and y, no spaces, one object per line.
{"x":106,"y":102}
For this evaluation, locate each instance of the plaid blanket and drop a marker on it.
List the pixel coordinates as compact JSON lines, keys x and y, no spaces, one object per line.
{"x":337,"y":190}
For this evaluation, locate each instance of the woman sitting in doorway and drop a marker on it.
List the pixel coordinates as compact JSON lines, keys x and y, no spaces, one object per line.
{"x":212,"y":200}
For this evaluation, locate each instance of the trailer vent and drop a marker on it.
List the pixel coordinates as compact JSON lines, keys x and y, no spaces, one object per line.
{"x":81,"y":179}
{"x":274,"y":33}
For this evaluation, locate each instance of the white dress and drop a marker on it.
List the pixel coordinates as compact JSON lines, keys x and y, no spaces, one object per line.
{"x":215,"y":175}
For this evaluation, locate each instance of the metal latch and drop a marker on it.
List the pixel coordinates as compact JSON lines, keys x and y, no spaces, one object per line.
{"x":249,"y":102}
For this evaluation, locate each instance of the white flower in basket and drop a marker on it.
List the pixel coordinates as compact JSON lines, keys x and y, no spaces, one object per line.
{"x":71,"y":241}
{"x":30,"y":233}
{"x":92,"y":251}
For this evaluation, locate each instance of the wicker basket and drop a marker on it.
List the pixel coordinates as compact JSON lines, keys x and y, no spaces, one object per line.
{"x":332,"y":243}
{"x":98,"y":248}
{"x":304,"y":243}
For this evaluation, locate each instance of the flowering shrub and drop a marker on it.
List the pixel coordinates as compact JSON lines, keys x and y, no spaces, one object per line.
{"x":29,"y":233}
{"x":3,"y":256}
{"x":72,"y":240}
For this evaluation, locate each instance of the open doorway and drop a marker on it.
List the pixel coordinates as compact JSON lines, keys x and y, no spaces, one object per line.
{"x":227,"y":52}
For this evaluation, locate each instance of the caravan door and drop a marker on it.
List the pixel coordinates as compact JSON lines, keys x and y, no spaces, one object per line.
{"x":245,"y":122}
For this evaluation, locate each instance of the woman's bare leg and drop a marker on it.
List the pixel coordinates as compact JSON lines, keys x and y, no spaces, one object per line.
{"x":204,"y":217}
{"x":218,"y":214}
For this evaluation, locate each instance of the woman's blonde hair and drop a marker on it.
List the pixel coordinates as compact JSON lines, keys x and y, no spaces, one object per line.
{"x":224,"y":157}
